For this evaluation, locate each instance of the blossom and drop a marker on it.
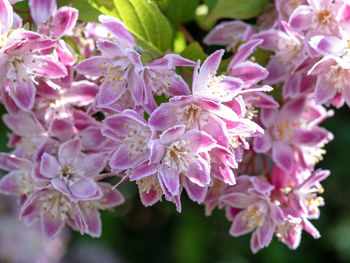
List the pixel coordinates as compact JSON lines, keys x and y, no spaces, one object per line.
{"x":286,"y":131}
{"x":119,"y":66}
{"x":258,"y":213}
{"x":72,"y":173}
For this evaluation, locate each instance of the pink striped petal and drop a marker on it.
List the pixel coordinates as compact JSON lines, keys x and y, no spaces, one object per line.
{"x":195,"y":192}
{"x":283,"y":155}
{"x":42,"y":10}
{"x":52,"y":226}
{"x":49,"y":166}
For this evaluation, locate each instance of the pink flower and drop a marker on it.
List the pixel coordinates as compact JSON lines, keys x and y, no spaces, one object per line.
{"x":258,"y":213}
{"x":21,"y":63}
{"x":132,"y":135}
{"x":73,"y":172}
{"x":119,"y":66}
{"x":54,"y":209}
{"x":184,"y":161}
{"x":160,"y":78}
{"x":289,"y":52}
{"x":286,"y":131}
{"x":319,"y":17}
{"x":229,"y":34}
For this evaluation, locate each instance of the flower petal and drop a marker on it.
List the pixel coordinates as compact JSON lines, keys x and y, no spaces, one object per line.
{"x":283,"y":155}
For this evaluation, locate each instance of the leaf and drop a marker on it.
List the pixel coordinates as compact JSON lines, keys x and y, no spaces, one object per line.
{"x":86,"y":11}
{"x":194,"y":52}
{"x":179,"y":42}
{"x":181,"y":11}
{"x":211,"y":3}
{"x":106,"y":7}
{"x":237,"y":9}
{"x":145,"y":21}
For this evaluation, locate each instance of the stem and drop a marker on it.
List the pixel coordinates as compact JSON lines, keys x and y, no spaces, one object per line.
{"x":187,"y":34}
{"x":21,"y":11}
{"x":149,"y":54}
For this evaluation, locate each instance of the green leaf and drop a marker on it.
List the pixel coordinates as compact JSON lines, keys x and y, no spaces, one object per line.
{"x":237,"y":9}
{"x":179,"y":43}
{"x":145,"y":21}
{"x":106,"y":7}
{"x":194,"y":52}
{"x":181,"y":11}
{"x":86,"y":11}
{"x":211,"y":3}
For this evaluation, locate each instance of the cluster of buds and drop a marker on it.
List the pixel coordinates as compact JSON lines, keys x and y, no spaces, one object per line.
{"x":218,"y":135}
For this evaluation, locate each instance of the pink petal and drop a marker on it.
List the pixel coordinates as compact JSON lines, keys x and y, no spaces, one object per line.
{"x":301,"y":18}
{"x":49,"y":166}
{"x":93,"y":164}
{"x":84,"y":188}
{"x":268,"y":117}
{"x":46,"y":66}
{"x":255,"y":245}
{"x":51,"y":226}
{"x":94,"y":225}
{"x":199,"y":172}
{"x":24,"y":95}
{"x":10,"y":182}
{"x":277,"y":214}
{"x":262,"y":186}
{"x":310,"y":228}
{"x":293,"y":109}
{"x":61,"y":186}
{"x":118,"y":29}
{"x":199,"y":141}
{"x":343,"y":18}
{"x":309,"y":137}
{"x":109,"y":93}
{"x":244,"y":51}
{"x":195,"y":192}
{"x":151,"y":197}
{"x":143,"y":170}
{"x":263,"y":144}
{"x":92,"y":66}
{"x":69,"y":151}
{"x":42,"y":10}
{"x":238,"y":200}
{"x":328,"y":45}
{"x":283,"y":155}
{"x":208,"y":68}
{"x":62,"y":129}
{"x":265,"y":232}
{"x":276,"y":71}
{"x":111,"y":198}
{"x":239,"y":226}
{"x":159,"y":119}
{"x":125,"y":158}
{"x":64,"y":21}
{"x":6,"y":14}
{"x":172,"y":134}
{"x":170,"y":178}
{"x":324,"y":91}
{"x":225,"y":33}
{"x":249,"y":72}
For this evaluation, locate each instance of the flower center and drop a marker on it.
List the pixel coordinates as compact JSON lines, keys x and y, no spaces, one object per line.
{"x":178,"y":156}
{"x":254,"y":217}
{"x":324,"y":17}
{"x":137,"y":138}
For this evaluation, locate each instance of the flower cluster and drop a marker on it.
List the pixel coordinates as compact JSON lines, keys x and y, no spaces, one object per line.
{"x":171,"y":124}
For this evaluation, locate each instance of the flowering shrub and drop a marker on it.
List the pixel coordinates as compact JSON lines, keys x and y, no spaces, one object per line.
{"x":93,"y":98}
